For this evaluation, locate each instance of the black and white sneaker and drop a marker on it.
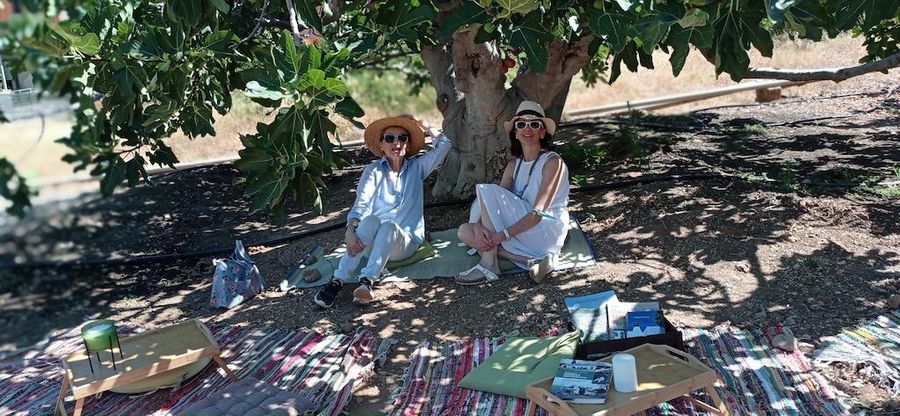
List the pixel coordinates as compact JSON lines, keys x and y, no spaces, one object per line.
{"x":326,"y":297}
{"x":364,"y":295}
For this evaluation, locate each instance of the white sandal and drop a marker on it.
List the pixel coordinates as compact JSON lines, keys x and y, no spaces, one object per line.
{"x":489,"y":276}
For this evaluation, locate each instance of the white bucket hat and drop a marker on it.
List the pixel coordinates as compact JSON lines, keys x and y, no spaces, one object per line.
{"x":531,"y":110}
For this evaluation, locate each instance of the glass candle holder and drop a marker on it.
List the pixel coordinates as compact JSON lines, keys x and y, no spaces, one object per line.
{"x":100,"y":335}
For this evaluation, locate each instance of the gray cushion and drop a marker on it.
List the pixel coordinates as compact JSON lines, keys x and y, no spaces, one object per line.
{"x":251,"y":397}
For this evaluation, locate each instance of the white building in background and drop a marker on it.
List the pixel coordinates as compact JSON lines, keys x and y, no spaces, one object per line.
{"x":18,"y":101}
{"x":5,"y":82}
{"x":8,"y":80}
{"x":11,"y":82}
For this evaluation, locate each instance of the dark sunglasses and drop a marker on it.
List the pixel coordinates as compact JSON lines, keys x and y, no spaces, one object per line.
{"x":402,"y":138}
{"x":535,"y":124}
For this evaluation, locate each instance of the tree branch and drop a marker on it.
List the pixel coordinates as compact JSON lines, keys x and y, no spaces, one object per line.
{"x":384,"y":58}
{"x":447,"y":5}
{"x":275,"y":22}
{"x":439,"y":61}
{"x":258,"y":28}
{"x":335,"y":6}
{"x":564,"y":61}
{"x":826,"y":74}
{"x":477,"y":73}
{"x":475,"y":63}
{"x":292,"y":19}
{"x":307,"y":35}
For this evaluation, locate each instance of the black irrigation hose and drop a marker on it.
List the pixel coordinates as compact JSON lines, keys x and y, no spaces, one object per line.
{"x":118,"y":261}
{"x":645,"y":180}
{"x":339,"y":224}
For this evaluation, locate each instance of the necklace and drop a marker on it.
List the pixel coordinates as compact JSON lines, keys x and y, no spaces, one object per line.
{"x":530,"y":171}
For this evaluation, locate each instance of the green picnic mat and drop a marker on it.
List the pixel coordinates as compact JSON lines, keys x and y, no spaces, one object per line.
{"x":449,"y":259}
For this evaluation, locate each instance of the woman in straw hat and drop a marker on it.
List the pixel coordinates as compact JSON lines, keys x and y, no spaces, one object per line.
{"x":525,"y":218}
{"x":386,"y":221}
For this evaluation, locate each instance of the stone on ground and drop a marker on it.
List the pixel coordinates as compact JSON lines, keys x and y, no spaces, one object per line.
{"x":786,"y":341}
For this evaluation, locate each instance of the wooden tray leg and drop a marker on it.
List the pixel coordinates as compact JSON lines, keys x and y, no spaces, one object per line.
{"x":79,"y":406}
{"x":61,"y":401}
{"x":717,"y":401}
{"x":702,"y":405}
{"x":224,"y":366}
{"x":718,"y":406}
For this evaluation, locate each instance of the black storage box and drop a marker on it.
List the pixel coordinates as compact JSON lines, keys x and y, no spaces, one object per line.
{"x":598,"y":349}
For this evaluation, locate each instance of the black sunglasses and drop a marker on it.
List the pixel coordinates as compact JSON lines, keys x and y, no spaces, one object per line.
{"x":534,"y":124}
{"x":402,"y":138}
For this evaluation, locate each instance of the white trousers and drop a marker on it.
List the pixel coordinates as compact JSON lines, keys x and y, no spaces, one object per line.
{"x":384,"y":241}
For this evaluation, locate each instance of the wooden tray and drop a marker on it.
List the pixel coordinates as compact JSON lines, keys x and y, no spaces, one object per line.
{"x":663,"y":374}
{"x":143,"y":355}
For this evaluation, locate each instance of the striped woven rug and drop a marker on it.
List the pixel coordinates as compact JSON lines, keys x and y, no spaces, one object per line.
{"x":325,"y":367}
{"x":754,"y":379}
{"x":875,"y":345}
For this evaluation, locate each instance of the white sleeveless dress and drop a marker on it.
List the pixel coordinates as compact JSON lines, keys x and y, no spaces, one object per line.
{"x":507,"y":207}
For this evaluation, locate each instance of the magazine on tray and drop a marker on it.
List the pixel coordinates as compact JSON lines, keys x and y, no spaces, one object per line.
{"x":579,"y":381}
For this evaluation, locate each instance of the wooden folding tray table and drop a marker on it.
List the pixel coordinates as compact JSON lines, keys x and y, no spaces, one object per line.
{"x":663,"y":374}
{"x":144,"y":355}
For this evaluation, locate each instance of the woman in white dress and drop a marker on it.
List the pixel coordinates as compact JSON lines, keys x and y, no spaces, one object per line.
{"x":525,"y":218}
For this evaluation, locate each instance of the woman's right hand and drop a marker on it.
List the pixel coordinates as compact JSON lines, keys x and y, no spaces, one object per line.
{"x":354,"y":244}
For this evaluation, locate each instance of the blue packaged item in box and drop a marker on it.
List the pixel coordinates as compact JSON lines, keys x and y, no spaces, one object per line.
{"x":642,"y":323}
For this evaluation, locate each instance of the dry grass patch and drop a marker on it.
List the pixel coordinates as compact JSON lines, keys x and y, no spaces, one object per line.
{"x":699,"y":74}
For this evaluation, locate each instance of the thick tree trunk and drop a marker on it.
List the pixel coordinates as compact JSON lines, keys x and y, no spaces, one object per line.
{"x":474,"y":100}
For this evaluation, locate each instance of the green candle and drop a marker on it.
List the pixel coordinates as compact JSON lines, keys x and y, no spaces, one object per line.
{"x":100,"y":335}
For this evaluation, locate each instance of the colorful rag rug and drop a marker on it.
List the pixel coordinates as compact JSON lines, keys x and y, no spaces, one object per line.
{"x":875,"y":345}
{"x":753,"y":379}
{"x":324,"y":367}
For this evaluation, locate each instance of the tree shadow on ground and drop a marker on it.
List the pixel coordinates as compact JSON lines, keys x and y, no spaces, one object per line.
{"x":689,"y":241}
{"x":176,"y":216}
{"x":193,"y":210}
{"x":711,"y":252}
{"x":715,"y":251}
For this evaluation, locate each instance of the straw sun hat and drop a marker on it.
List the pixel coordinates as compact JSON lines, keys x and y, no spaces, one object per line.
{"x":528,"y":110}
{"x":376,"y":128}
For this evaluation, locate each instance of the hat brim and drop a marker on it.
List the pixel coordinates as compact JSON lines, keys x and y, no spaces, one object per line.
{"x":374,"y":130}
{"x":549,"y":124}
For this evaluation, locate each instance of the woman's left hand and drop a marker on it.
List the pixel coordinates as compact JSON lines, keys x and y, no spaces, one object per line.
{"x":497,"y":238}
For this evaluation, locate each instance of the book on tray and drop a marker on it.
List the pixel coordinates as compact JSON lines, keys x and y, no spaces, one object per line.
{"x":585,"y":382}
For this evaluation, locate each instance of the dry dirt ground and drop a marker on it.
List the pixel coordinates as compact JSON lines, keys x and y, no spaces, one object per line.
{"x":796,"y":231}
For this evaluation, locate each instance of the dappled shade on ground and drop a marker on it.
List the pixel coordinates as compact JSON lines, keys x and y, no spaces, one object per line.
{"x":811,"y":247}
